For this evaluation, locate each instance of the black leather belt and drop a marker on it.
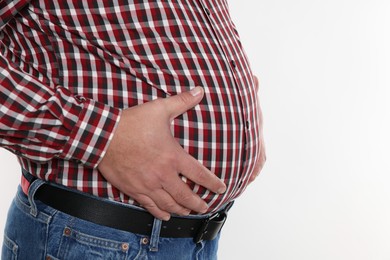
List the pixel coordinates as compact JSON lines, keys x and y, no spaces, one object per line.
{"x":128,"y":219}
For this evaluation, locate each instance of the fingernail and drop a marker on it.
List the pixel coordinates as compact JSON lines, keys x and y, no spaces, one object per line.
{"x":222,"y":190}
{"x":186,"y":212}
{"x":166,"y":218}
{"x":196,"y":91}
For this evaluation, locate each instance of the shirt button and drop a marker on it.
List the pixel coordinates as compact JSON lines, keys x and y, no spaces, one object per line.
{"x":77,"y":161}
{"x":233,"y":64}
{"x":207,"y":11}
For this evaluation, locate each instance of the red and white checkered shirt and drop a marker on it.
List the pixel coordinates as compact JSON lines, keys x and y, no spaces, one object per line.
{"x":69,"y":67}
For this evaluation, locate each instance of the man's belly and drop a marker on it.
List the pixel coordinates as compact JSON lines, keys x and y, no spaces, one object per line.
{"x":138,"y":56}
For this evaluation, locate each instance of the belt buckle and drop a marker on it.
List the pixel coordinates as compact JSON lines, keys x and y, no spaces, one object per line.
{"x":218,"y":219}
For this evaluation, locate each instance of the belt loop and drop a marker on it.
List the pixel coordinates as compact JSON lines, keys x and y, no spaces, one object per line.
{"x":155,"y":236}
{"x":34,"y":186}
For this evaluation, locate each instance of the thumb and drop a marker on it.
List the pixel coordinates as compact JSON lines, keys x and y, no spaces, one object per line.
{"x":181,"y":103}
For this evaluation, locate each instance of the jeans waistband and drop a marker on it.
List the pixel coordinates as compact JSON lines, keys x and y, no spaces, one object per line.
{"x":125,"y":217}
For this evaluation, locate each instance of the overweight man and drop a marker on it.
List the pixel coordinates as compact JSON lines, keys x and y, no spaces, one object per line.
{"x":136,"y":125}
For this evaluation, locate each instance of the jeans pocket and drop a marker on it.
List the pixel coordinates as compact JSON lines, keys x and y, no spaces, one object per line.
{"x":78,"y":245}
{"x":9,"y":250}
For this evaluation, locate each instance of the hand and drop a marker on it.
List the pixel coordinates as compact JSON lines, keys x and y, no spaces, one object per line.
{"x":144,"y":160}
{"x":262,"y":157}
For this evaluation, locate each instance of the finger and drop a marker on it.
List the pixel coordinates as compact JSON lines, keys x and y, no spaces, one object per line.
{"x":165,"y":202}
{"x":183,"y":195}
{"x":256,"y":81}
{"x":181,"y":103}
{"x":256,"y":170}
{"x":260,"y":161}
{"x":195,"y":171}
{"x":153,"y":209}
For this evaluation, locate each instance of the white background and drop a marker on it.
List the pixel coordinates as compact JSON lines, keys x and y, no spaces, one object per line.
{"x":325,"y":91}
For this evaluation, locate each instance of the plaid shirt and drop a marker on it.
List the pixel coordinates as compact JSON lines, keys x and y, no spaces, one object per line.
{"x":68,"y":68}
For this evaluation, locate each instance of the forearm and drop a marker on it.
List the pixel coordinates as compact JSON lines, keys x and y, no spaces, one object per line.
{"x":40,"y":121}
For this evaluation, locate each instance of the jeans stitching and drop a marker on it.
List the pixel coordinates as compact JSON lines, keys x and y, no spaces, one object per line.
{"x":96,"y":241}
{"x":26,"y":209}
{"x":10,"y":244}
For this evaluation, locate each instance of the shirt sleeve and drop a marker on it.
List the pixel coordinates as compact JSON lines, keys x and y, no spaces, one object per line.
{"x":8,"y":8}
{"x":41,"y":122}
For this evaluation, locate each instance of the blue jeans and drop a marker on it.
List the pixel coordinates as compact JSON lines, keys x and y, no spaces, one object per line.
{"x":37,"y":231}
